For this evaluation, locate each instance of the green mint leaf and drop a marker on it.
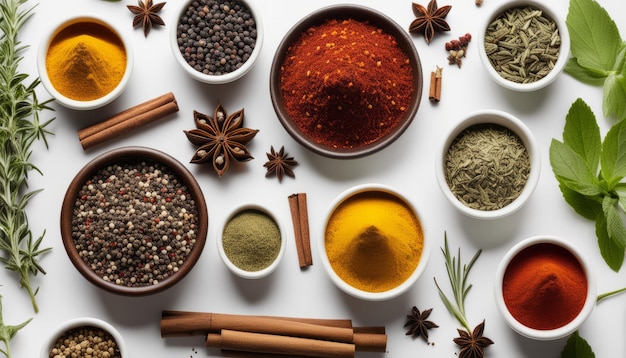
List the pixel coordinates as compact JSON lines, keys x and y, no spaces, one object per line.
{"x":582,"y":74}
{"x":582,"y":134}
{"x":595,"y":39}
{"x":571,"y":170}
{"x":614,"y":224}
{"x":586,"y":206}
{"x":620,"y":190}
{"x":614,"y":92}
{"x":612,"y":253}
{"x":613,"y":159}
{"x":577,"y":347}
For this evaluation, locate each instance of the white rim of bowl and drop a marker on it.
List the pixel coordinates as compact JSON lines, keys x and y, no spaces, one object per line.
{"x":510,"y":122}
{"x":563,"y":51}
{"x":72,"y":103}
{"x":83,"y":322}
{"x":234,"y":268}
{"x":228,"y":77}
{"x":355,"y":292}
{"x":567,"y":329}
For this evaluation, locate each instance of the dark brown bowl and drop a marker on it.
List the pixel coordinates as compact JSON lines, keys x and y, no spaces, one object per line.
{"x":129,"y":155}
{"x":341,"y":12}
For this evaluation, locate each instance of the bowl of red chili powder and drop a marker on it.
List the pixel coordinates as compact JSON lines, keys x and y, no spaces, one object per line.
{"x":134,"y":221}
{"x":346,"y":81}
{"x":544,"y":288}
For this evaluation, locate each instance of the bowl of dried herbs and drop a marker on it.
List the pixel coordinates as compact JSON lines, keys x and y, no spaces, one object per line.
{"x":488,"y":165}
{"x":524,"y":45}
{"x":134,"y":221}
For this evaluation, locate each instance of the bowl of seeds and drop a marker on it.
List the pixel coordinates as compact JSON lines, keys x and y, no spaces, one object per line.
{"x":346,"y":81}
{"x":134,"y":221}
{"x":84,"y":337}
{"x":524,"y":44}
{"x":252,"y":241}
{"x":217,"y":41}
{"x":488,"y":165}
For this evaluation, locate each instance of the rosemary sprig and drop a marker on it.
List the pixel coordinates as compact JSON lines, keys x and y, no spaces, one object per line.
{"x":8,"y":332}
{"x":459,"y":283}
{"x":20,"y":127}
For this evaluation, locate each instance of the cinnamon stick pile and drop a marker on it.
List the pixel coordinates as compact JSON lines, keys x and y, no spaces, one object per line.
{"x":269,"y":336}
{"x":128,"y":120}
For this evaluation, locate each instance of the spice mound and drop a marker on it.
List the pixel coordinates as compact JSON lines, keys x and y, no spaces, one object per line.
{"x":134,"y":223}
{"x":86,"y":61}
{"x":522,"y":44}
{"x":487,"y":166}
{"x":251,"y":240}
{"x":85,"y":342}
{"x":374,"y":241}
{"x":216,"y":37}
{"x":346,"y":83}
{"x":544,"y":286}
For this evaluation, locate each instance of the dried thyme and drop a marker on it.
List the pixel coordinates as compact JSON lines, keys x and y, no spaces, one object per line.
{"x":522,"y":44}
{"x":486,"y":166}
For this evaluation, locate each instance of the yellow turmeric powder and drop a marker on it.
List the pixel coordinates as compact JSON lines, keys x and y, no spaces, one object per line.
{"x":85,"y":61}
{"x":374,"y":241}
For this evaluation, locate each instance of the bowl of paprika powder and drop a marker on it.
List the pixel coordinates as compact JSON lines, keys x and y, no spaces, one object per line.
{"x":544,"y":288}
{"x":346,"y":81}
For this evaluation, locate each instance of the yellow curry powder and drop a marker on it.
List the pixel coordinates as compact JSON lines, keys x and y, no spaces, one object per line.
{"x":85,"y":61}
{"x":374,"y":241}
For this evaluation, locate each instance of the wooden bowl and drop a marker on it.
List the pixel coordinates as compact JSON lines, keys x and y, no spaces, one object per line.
{"x":140,"y":232}
{"x":340,"y":12}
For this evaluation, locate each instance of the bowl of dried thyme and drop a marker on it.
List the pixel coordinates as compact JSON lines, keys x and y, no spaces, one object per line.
{"x":488,"y":165}
{"x":134,"y":221}
{"x":346,"y":81}
{"x":217,"y":41}
{"x":85,"y":62}
{"x":84,"y":337}
{"x":524,"y":45}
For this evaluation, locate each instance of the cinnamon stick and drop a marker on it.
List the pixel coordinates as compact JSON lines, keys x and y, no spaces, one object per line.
{"x":269,"y":343}
{"x":300,"y":219}
{"x":127,"y":120}
{"x":370,"y":339}
{"x":434,"y":93}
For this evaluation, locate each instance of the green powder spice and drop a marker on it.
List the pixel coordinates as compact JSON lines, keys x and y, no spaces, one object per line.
{"x":251,"y":240}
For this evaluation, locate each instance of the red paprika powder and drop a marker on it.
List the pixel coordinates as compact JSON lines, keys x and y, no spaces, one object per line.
{"x":346,"y":83}
{"x":544,"y":286}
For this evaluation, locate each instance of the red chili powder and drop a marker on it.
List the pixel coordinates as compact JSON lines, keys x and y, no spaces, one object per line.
{"x":544,"y":286}
{"x":346,"y":83}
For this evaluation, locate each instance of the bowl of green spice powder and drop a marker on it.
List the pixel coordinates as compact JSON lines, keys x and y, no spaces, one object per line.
{"x":488,"y":165}
{"x":524,"y":44}
{"x":134,"y":221}
{"x":251,"y":243}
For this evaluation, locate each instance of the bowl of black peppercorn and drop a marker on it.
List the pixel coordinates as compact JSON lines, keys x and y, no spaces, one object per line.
{"x":134,"y":221}
{"x":217,"y":41}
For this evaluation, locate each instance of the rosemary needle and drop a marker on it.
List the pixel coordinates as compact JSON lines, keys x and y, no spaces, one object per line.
{"x":20,"y":127}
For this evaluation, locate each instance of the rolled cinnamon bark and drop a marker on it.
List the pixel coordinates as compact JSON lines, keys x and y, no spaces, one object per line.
{"x":269,"y":343}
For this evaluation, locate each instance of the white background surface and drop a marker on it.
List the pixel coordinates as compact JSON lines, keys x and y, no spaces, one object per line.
{"x":407,"y":165}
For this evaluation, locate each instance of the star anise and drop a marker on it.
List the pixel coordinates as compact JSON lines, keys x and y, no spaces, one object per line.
{"x":146,"y":15}
{"x":418,"y":323}
{"x":430,"y":20}
{"x":472,"y":346}
{"x":220,"y":139}
{"x":279,"y":163}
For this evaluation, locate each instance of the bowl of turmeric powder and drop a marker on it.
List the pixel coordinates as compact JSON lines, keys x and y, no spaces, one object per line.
{"x":373,"y":245}
{"x":85,"y":63}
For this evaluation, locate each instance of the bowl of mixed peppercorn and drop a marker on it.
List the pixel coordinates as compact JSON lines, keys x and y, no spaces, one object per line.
{"x":217,"y":41}
{"x":346,"y":81}
{"x":84,"y":337}
{"x":134,"y":221}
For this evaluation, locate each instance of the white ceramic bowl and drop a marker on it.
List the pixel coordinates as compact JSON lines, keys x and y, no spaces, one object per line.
{"x":559,"y":20}
{"x":72,"y":103}
{"x":252,"y":274}
{"x":547,"y":334}
{"x":356,"y":292}
{"x":523,"y":132}
{"x":83,"y":322}
{"x":227,"y":77}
